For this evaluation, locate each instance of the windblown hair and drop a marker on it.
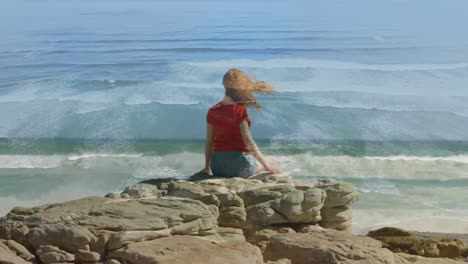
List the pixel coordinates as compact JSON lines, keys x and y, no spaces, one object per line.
{"x":241,"y":88}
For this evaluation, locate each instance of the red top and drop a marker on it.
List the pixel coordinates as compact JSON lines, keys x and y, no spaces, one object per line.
{"x":226,"y":119}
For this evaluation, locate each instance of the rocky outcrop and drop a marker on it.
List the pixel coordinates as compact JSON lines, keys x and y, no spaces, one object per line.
{"x":402,"y":241}
{"x":264,"y":219}
{"x":8,"y":256}
{"x":336,"y":213}
{"x":188,"y":249}
{"x":326,"y":246}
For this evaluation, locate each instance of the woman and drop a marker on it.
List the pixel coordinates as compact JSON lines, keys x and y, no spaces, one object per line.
{"x":230,"y":150}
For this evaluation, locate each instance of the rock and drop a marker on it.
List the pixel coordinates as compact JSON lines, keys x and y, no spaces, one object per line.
{"x":185,"y":216}
{"x":298,"y":206}
{"x":280,"y":261}
{"x":210,"y":199}
{"x":20,"y":250}
{"x":231,"y":211}
{"x":120,"y":239}
{"x":185,"y":189}
{"x":268,"y":177}
{"x":187,"y":249}
{"x":309,"y":228}
{"x":326,"y":247}
{"x":87,"y":256}
{"x":266,"y":193}
{"x":231,"y":234}
{"x":411,"y":259}
{"x":261,"y":237}
{"x":390,"y":232}
{"x":9,"y":257}
{"x":424,"y":248}
{"x":69,"y":238}
{"x":178,"y":221}
{"x":112,"y":261}
{"x":51,"y":254}
{"x":149,"y":188}
{"x":399,"y":240}
{"x":224,"y":185}
{"x":14,"y":230}
{"x":338,"y":193}
{"x":114,"y":195}
{"x":339,"y":218}
{"x":450,"y":248}
{"x":100,"y":243}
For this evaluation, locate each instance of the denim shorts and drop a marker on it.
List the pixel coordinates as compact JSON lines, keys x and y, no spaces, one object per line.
{"x":233,"y":164}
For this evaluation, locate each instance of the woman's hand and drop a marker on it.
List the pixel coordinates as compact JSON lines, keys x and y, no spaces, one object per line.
{"x":269,"y":166}
{"x":205,"y":171}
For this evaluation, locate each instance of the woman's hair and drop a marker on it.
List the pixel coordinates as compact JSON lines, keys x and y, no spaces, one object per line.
{"x":241,"y":88}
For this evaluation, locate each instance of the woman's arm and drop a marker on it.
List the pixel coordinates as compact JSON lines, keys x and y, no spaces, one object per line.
{"x":208,"y":148}
{"x":253,"y":148}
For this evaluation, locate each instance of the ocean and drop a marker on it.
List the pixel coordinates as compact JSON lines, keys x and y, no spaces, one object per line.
{"x":98,"y":95}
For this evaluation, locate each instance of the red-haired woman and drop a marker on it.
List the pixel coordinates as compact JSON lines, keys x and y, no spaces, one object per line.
{"x":230,"y":150}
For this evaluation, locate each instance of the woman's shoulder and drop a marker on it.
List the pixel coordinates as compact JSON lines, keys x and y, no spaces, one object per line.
{"x":224,"y":105}
{"x":218,"y":105}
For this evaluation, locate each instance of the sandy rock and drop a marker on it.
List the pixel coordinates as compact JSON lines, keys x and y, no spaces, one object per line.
{"x":390,"y":232}
{"x":412,"y":259}
{"x":337,"y":214}
{"x":450,"y":248}
{"x":261,"y":237}
{"x":231,"y":211}
{"x":187,"y":249}
{"x":100,"y":243}
{"x":399,"y":240}
{"x":120,"y":239}
{"x":113,"y":195}
{"x":266,"y":193}
{"x":112,"y":261}
{"x":185,"y":189}
{"x":14,"y":230}
{"x":268,"y":177}
{"x":338,"y":193}
{"x":209,"y":199}
{"x":87,"y":256}
{"x":339,"y":218}
{"x":223,"y":185}
{"x":231,"y":234}
{"x":51,"y":254}
{"x":20,"y":250}
{"x":309,"y":228}
{"x":149,"y":188}
{"x":280,"y":261}
{"x":326,"y":247}
{"x":9,"y":257}
{"x":126,"y":215}
{"x":298,"y":206}
{"x":69,"y":238}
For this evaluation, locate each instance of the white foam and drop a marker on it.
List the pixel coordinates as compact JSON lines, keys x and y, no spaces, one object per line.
{"x":393,"y":167}
{"x":185,"y":163}
{"x":30,"y":161}
{"x":103,"y":155}
{"x":459,"y":158}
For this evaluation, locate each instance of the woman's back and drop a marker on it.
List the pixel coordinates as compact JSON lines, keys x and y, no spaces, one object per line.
{"x":226,"y":119}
